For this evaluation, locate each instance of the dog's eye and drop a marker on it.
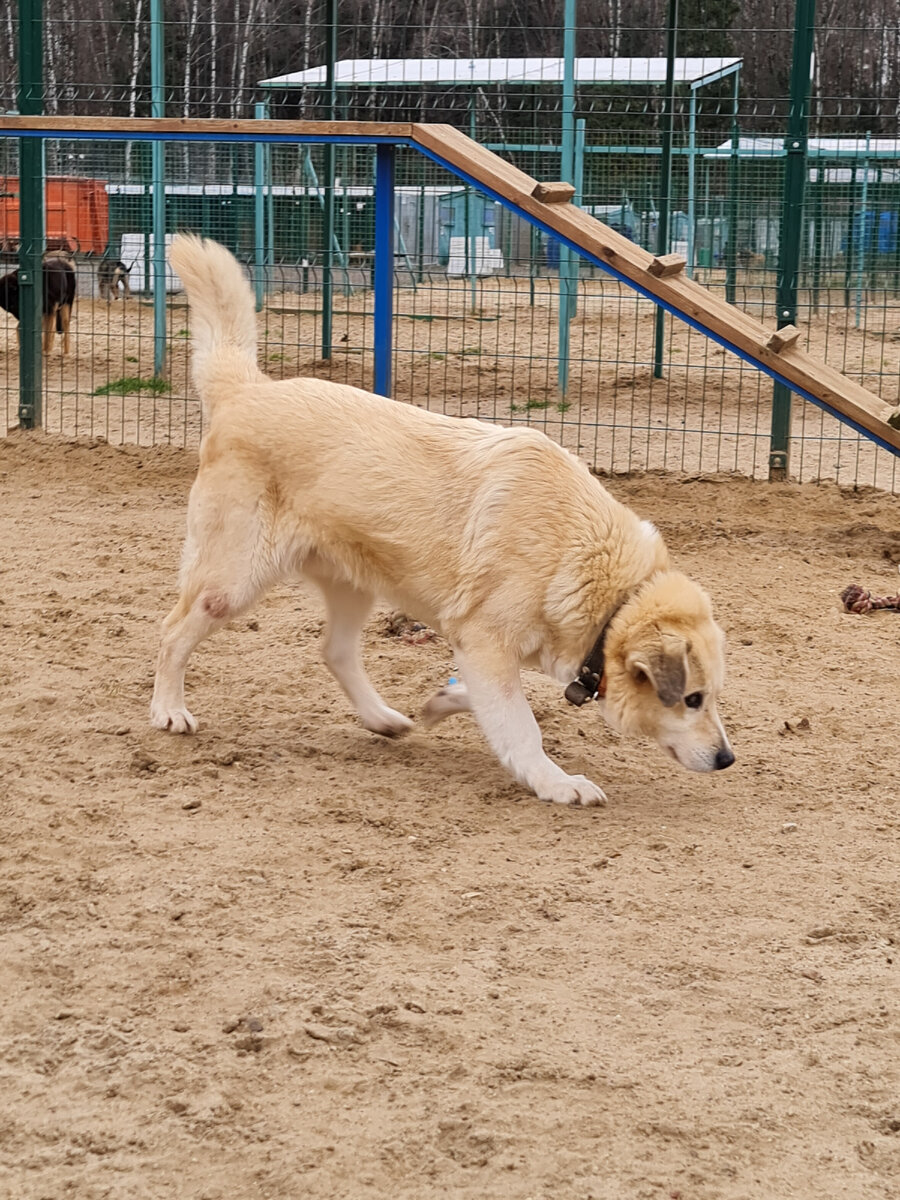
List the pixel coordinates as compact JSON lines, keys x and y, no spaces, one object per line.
{"x":694,"y":700}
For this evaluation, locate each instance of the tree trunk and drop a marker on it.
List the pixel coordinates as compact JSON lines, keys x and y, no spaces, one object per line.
{"x":137,"y":56}
{"x":186,"y":77}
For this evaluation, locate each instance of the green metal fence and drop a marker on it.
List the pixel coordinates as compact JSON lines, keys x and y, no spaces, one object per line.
{"x":479,"y":294}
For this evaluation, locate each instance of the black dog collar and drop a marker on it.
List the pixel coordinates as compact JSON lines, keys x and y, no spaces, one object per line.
{"x":590,"y":682}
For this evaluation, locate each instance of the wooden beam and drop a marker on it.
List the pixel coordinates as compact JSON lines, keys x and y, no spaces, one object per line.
{"x":553,"y":193}
{"x":135,"y":126}
{"x":706,"y":310}
{"x":782,"y":338}
{"x":665,"y":265}
{"x":671,"y":286}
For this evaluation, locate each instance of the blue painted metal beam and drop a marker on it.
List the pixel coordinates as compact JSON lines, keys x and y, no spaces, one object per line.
{"x":260,"y":181}
{"x":62,"y":134}
{"x":383,"y":282}
{"x":31,"y":216}
{"x":676,"y":312}
{"x":384,"y":294}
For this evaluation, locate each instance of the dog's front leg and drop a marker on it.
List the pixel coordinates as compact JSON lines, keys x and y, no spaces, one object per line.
{"x":504,"y":714}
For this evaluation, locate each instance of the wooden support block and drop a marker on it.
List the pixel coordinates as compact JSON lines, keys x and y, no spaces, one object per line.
{"x":553,"y":193}
{"x":782,"y":338}
{"x":667,"y":264}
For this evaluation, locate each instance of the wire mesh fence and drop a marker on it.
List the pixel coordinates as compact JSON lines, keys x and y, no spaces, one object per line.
{"x":477,"y":291}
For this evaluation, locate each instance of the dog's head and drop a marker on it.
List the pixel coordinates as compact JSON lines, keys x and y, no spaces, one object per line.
{"x":664,"y":671}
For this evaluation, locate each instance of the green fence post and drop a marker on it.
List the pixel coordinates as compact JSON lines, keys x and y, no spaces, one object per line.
{"x":158,"y":155}
{"x":734,"y":167}
{"x":861,"y":235}
{"x":818,"y":216}
{"x":420,"y":234}
{"x":692,"y":185}
{"x":665,"y":177}
{"x":469,"y":228}
{"x":567,"y":173}
{"x":31,"y":216}
{"x":329,"y":172}
{"x":578,"y":199}
{"x":789,"y":247}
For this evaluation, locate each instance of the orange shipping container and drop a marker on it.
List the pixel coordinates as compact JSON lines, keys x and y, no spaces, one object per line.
{"x":76,"y":214}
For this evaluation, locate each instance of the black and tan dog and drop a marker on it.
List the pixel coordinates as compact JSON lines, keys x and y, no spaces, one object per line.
{"x":57,"y":300}
{"x":112,"y":276}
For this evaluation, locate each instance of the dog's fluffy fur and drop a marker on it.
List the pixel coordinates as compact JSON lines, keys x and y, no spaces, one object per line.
{"x":497,"y":537}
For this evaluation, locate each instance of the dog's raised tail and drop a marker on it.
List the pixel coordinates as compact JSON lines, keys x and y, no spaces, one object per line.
{"x":223,"y":315}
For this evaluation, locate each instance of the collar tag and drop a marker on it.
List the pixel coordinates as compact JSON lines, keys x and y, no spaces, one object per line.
{"x":586,"y":687}
{"x":576,"y":693}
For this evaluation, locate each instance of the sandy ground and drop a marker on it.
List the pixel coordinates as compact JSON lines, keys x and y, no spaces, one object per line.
{"x":286,"y":959}
{"x":493,"y":354}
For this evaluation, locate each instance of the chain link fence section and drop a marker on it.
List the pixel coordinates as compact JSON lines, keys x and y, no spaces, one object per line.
{"x":477,"y":292}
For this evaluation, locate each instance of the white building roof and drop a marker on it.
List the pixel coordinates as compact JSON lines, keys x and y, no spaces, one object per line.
{"x":368,"y":72}
{"x":817,"y":147}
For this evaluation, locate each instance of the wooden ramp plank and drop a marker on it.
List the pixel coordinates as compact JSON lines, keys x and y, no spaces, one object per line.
{"x":703,"y":308}
{"x":684,"y":296}
{"x":633,"y":262}
{"x":467,"y":156}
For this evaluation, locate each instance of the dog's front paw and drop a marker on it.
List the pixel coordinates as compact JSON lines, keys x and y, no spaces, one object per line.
{"x":573,"y":789}
{"x":176,"y":720}
{"x":388,"y":722}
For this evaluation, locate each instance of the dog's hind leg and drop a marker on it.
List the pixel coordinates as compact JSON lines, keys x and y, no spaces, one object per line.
{"x":222,"y":576}
{"x":347,"y":609}
{"x":194,"y":617}
{"x":62,"y":326}
{"x":505,"y":716}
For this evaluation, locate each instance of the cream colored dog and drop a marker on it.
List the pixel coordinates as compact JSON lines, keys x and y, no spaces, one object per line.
{"x":497,"y":537}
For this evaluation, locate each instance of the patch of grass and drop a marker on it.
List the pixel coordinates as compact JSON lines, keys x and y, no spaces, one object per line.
{"x":531,"y":405}
{"x":563,"y":406}
{"x":467,"y":350}
{"x":130,"y":384}
{"x":276,"y":358}
{"x":182,"y":333}
{"x":131,"y":358}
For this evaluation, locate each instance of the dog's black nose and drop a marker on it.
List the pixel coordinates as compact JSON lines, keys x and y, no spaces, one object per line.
{"x":724,"y":758}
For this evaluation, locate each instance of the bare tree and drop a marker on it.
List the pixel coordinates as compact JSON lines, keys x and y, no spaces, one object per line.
{"x":213,"y":57}
{"x":138,"y":54}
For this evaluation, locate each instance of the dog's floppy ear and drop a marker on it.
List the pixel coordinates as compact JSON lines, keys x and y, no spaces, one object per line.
{"x":664,"y":662}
